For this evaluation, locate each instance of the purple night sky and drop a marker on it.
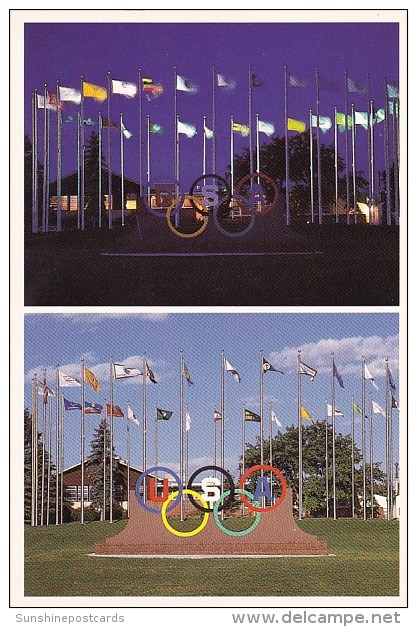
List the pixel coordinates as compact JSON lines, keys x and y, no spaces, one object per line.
{"x":65,"y":51}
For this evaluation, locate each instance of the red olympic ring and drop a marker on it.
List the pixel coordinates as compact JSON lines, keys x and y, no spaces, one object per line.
{"x":276,"y":472}
{"x":265,"y":209}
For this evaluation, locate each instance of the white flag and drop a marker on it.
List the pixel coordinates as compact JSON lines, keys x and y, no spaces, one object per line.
{"x":67,"y":381}
{"x":125,"y":132}
{"x":69,"y":94}
{"x":229,"y":368}
{"x":208,"y":132}
{"x":325,"y":123}
{"x":122,"y":372}
{"x":266,"y":127}
{"x":44,"y":390}
{"x":228,"y":84}
{"x":131,"y":416}
{"x":183,"y":84}
{"x":370,"y":377}
{"x":275,"y":419}
{"x":304,"y":369}
{"x":124,"y":89}
{"x":186,"y":129}
{"x":187,"y":421}
{"x":336,"y":411}
{"x":361,"y":118}
{"x":377,"y":409}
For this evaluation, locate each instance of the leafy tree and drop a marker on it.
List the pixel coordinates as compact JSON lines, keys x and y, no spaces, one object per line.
{"x":285,"y":458}
{"x":91,"y":160}
{"x":95,"y":465}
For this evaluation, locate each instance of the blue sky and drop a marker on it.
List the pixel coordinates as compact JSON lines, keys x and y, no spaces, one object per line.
{"x":64,"y":338}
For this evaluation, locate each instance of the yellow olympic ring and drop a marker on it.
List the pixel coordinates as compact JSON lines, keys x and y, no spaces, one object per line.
{"x":184,"y":534}
{"x":185,"y":235}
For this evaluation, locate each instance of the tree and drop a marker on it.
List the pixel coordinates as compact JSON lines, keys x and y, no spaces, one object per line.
{"x":28,"y":161}
{"x":91,"y":160}
{"x":285,"y":458}
{"x":95,"y":465}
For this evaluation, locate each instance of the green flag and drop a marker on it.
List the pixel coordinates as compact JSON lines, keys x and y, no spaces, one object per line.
{"x":156,"y":128}
{"x":356,"y":408}
{"x":163,"y":414}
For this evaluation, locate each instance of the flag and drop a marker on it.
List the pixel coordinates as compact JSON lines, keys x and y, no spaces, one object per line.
{"x":69,"y":94}
{"x":394,"y":403}
{"x":89,"y":122}
{"x":392,"y":91}
{"x":266,"y":127}
{"x":93,"y":408}
{"x":228,"y":83}
{"x":131,"y":416}
{"x":217,"y":415}
{"x":187,"y":421}
{"x":186,"y":129}
{"x":106,"y":123}
{"x":250,"y":416}
{"x":295,"y":125}
{"x":353,"y":87}
{"x":379,"y":116}
{"x":370,"y":377}
{"x":336,"y":411}
{"x":44,"y":390}
{"x":163,"y":414}
{"x":183,"y":84}
{"x":304,"y":369}
{"x":275,"y":419}
{"x":377,"y":409}
{"x":122,"y":372}
{"x":305,"y":414}
{"x":391,"y":380}
{"x":256,"y":82}
{"x":71,"y":405}
{"x":126,"y":132}
{"x":94,"y":91}
{"x":341,"y":120}
{"x":117,"y":412}
{"x":361,"y":118}
{"x":356,"y":408}
{"x":336,"y":374}
{"x":152,"y":90}
{"x":51,"y":102}
{"x":266,"y":367}
{"x":229,"y":368}
{"x":293,"y":81}
{"x":124,"y":89}
{"x":69,"y":118}
{"x":325,"y":123}
{"x":187,"y":375}
{"x":150,"y":374}
{"x":208,"y":132}
{"x":90,"y":378}
{"x":156,"y":128}
{"x":66,"y":381}
{"x":241,"y":128}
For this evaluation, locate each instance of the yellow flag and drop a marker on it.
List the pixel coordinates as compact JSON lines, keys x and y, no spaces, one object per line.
{"x":94,"y":91}
{"x":306,"y":415}
{"x":296,"y":125}
{"x":90,"y":378}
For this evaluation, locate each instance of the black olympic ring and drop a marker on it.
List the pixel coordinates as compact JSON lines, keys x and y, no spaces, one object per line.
{"x":223,"y":181}
{"x":227,"y":501}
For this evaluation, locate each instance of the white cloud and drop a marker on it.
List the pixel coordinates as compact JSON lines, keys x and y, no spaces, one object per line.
{"x":348,"y":353}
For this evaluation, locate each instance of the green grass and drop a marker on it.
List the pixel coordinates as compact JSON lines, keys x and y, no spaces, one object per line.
{"x":366,"y":563}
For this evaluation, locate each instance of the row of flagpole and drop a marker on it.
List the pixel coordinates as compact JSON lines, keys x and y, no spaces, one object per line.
{"x":119,"y":371}
{"x":55,"y":102}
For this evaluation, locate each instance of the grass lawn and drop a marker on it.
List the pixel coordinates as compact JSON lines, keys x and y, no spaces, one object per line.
{"x":366,"y":563}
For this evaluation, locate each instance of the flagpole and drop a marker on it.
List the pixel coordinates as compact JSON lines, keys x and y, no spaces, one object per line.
{"x":43,"y":450}
{"x":371,"y":455}
{"x":327,"y":460}
{"x":270,"y":444}
{"x":204,"y":144}
{"x":48,"y":483}
{"x":100,"y":126}
{"x":82,"y":437}
{"x":386,"y":159}
{"x":353,"y":456}
{"x":186,"y":445}
{"x":347,"y":150}
{"x":333,"y":444}
{"x":243,"y":450}
{"x":128,"y":462}
{"x":261,"y":422}
{"x":250,"y":123}
{"x":62,"y":457}
{"x":371,"y":157}
{"x":300,"y":446}
{"x":140,"y":131}
{"x":395,"y":146}
{"x":215,"y":440}
{"x":145,"y":375}
{"x":109,"y":165}
{"x":391,"y":465}
{"x":181,"y":431}
{"x":257,"y":147}
{"x":176,"y":147}
{"x":35,"y":199}
{"x":311,"y":167}
{"x":368,"y":91}
{"x":177,"y":216}
{"x":318,"y":149}
{"x":104,"y":460}
{"x":287,"y":156}
{"x":32,"y":450}
{"x":111,"y":437}
{"x":222,"y":407}
{"x":156,"y":442}
{"x":36,"y":451}
{"x":214,"y":144}
{"x":387,"y":410}
{"x":57,"y":444}
{"x":45,"y":157}
{"x":82,"y":149}
{"x":148,"y":159}
{"x":363,"y":437}
{"x":79,"y":168}
{"x":122,"y":168}
{"x":59,"y":160}
{"x":232,"y":166}
{"x":354,"y":163}
{"x":336,"y":173}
